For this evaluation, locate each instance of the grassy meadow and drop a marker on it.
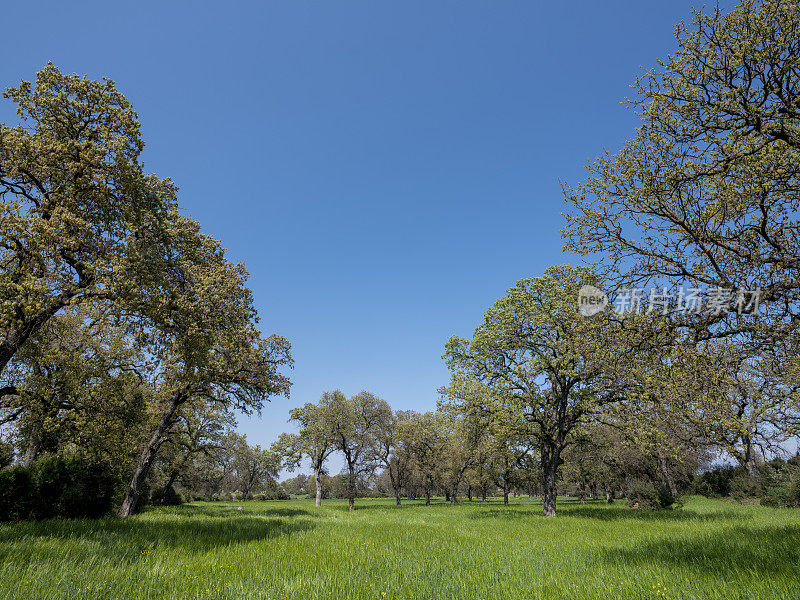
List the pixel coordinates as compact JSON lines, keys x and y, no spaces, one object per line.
{"x":285,"y":550}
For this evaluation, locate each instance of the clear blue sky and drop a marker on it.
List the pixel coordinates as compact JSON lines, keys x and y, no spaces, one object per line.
{"x":386,"y":170}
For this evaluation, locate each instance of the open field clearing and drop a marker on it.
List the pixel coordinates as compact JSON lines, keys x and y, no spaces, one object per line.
{"x":286,"y":550}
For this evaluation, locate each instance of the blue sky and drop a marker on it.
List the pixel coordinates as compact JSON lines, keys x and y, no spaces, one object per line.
{"x":386,"y":170}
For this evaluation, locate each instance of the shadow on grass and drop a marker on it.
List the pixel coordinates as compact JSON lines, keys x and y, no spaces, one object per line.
{"x":766,"y":550}
{"x":129,"y":540}
{"x":615,"y":513}
{"x":227,"y":512}
{"x":408,"y":504}
{"x":603,"y":512}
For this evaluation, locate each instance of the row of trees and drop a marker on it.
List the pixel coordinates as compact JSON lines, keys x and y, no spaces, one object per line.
{"x":704,"y":196}
{"x":123,"y":328}
{"x":542,"y":394}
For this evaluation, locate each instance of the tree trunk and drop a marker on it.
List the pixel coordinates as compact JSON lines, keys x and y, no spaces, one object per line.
{"x":505,"y":492}
{"x":395,"y":481}
{"x":318,"y":484}
{"x":549,"y":494}
{"x":551,"y":459}
{"x":172,"y":477}
{"x":351,"y":490}
{"x":668,"y":480}
{"x":469,"y":493}
{"x":33,"y":449}
{"x":149,"y":454}
{"x":749,"y":459}
{"x":427,"y":497}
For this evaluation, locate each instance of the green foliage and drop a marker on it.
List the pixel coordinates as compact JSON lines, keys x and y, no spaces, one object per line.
{"x":646,"y":494}
{"x":166,"y":496}
{"x":6,"y":454}
{"x":15,"y":494}
{"x":780,"y":483}
{"x":57,"y":486}
{"x":743,"y":486}
{"x":716,"y":483}
{"x":71,"y":487}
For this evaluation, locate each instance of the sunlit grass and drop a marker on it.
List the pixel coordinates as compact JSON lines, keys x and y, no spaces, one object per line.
{"x":287,"y":550}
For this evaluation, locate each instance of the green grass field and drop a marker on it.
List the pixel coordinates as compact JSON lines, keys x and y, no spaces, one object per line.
{"x":285,"y":550}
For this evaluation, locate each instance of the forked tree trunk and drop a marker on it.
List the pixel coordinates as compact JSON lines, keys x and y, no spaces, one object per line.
{"x":149,"y":454}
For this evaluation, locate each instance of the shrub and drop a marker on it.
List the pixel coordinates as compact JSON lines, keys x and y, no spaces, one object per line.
{"x":717,"y":481}
{"x":167,"y":496}
{"x":15,"y":494}
{"x":645,"y":494}
{"x":70,"y":487}
{"x":57,"y":486}
{"x":742,"y":486}
{"x":780,"y":483}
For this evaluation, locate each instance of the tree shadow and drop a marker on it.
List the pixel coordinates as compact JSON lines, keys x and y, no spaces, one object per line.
{"x":409,"y":504}
{"x":507,"y":513}
{"x":773,"y":550}
{"x":618,"y":513}
{"x":227,"y":512}
{"x":130,"y":540}
{"x":603,"y":512}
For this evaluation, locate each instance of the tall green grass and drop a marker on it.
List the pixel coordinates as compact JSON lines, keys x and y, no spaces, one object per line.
{"x":286,"y":550}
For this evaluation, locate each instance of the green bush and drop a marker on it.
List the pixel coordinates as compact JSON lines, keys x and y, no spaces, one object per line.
{"x":15,"y":494}
{"x":780,"y":483}
{"x":167,"y":496}
{"x":717,"y":482}
{"x":645,"y":494}
{"x":742,"y":486}
{"x":57,"y":486}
